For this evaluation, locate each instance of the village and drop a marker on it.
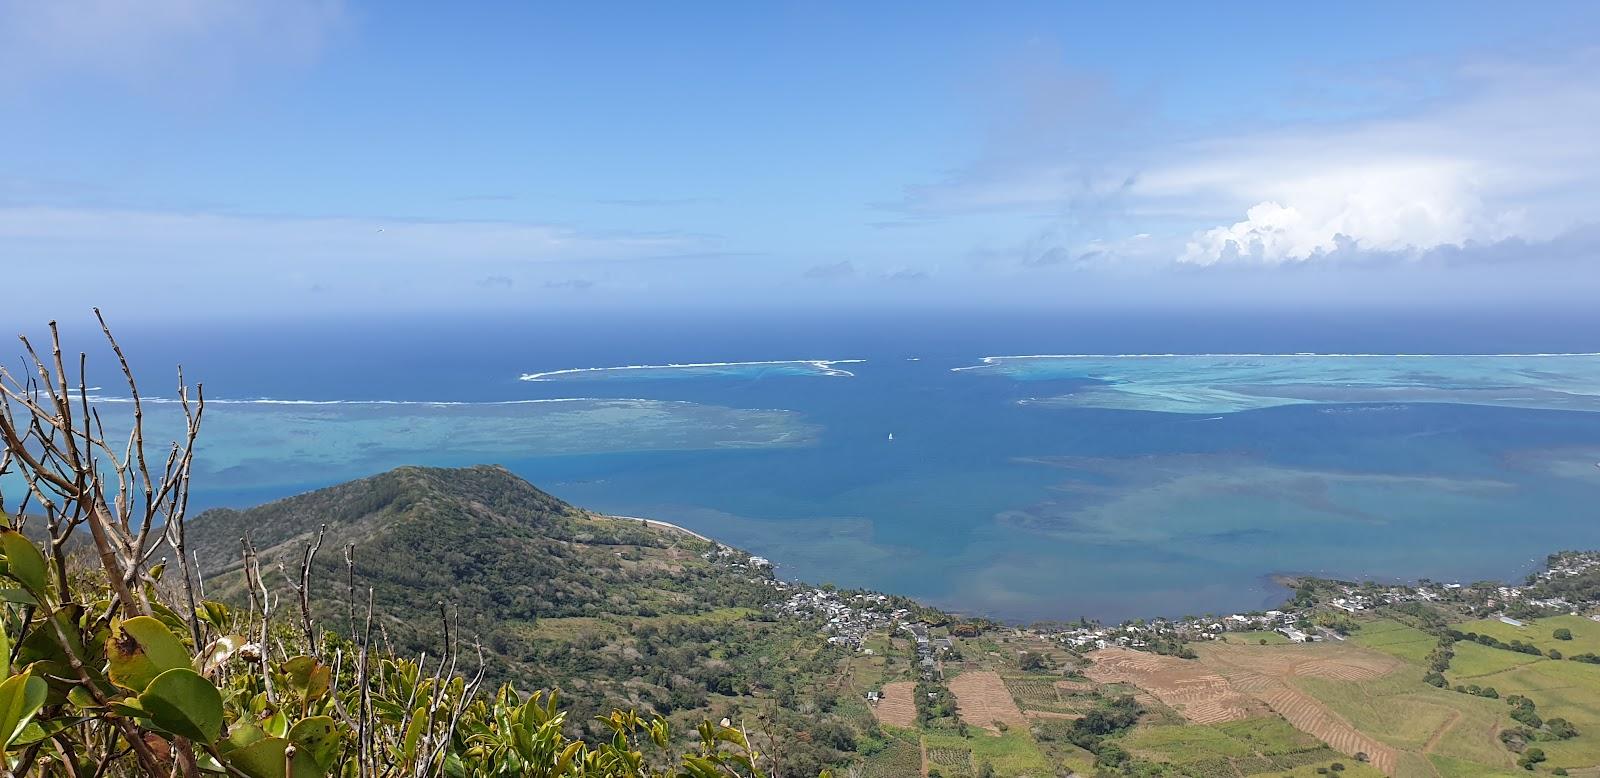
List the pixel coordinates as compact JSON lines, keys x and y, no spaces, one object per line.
{"x":1311,"y":617}
{"x":1314,"y":613}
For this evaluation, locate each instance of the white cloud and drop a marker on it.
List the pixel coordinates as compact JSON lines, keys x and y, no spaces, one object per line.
{"x":156,"y":41}
{"x":1500,"y":151}
{"x":1378,"y":207}
{"x":1511,"y":155}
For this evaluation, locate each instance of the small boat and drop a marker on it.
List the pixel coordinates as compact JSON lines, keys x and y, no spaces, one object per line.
{"x":891,"y":436}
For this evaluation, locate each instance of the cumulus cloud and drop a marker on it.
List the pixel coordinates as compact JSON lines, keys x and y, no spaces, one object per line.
{"x":1503,"y":150}
{"x":1510,"y":155}
{"x":155,"y":41}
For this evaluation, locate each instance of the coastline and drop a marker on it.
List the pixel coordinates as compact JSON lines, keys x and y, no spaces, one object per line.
{"x":667,"y":524}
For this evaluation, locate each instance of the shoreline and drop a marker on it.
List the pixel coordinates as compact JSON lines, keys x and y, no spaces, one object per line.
{"x":669,"y":525}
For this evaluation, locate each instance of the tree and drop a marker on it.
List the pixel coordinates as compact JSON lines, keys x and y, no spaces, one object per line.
{"x":1562,"y":633}
{"x":1560,"y":728}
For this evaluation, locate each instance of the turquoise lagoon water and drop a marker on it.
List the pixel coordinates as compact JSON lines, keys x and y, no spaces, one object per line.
{"x":1020,"y":487}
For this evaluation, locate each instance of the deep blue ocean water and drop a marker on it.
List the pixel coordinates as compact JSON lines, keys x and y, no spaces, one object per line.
{"x":982,"y":501}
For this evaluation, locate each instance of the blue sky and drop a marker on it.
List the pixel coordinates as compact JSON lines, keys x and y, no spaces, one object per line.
{"x":305,"y":156}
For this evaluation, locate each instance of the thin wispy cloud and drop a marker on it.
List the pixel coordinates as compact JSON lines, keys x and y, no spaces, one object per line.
{"x":159,"y":43}
{"x":831,"y":271}
{"x":205,"y":240}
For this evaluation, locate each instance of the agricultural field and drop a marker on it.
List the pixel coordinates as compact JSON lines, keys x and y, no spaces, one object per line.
{"x":1201,"y":695}
{"x":902,"y":757}
{"x":1047,"y":694}
{"x":1460,"y":768}
{"x":1256,"y":637}
{"x":1560,"y":688}
{"x":1398,"y":640}
{"x":1240,"y":710}
{"x":949,"y":758}
{"x":982,"y":700}
{"x":896,"y":708}
{"x":1540,"y":632}
{"x":1416,"y":720}
{"x":1012,"y":753}
{"x":1244,"y":747}
{"x":1473,"y":662}
{"x":1351,"y":770}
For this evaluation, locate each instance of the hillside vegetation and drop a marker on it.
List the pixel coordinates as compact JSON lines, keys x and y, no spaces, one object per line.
{"x":464,"y":623}
{"x":611,"y":612}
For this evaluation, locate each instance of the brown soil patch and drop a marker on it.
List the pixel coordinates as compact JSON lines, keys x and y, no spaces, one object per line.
{"x":897,"y":708}
{"x":1190,"y":688}
{"x":1321,"y":660}
{"x":982,"y":699}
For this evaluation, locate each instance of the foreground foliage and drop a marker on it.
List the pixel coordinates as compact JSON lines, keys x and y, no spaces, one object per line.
{"x":108,"y":667}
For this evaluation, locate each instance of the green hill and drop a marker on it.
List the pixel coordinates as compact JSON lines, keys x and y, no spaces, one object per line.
{"x":610,"y":611}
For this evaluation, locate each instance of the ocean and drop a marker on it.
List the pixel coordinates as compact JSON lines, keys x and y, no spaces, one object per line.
{"x":1155,"y":465}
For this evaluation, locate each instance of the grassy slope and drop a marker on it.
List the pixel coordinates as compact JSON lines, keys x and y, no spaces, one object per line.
{"x":1255,"y":637}
{"x":1396,"y":639}
{"x":1473,"y":662}
{"x":1585,"y":633}
{"x":1404,"y":712}
{"x":1559,"y":688}
{"x":1266,"y":745}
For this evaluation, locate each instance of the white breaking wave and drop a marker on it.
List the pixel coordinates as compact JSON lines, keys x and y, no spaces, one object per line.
{"x":824,"y":365}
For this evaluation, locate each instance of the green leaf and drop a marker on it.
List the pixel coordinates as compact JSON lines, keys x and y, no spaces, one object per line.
{"x":23,"y":561}
{"x":309,"y":678}
{"x":18,"y":596}
{"x":5,"y":653}
{"x":21,"y":696}
{"x":142,"y":648}
{"x":241,"y":734}
{"x":264,"y":759}
{"x":277,"y":724}
{"x":128,"y":707}
{"x":214,"y":613}
{"x":34,"y":732}
{"x":318,"y":738}
{"x":181,"y":702}
{"x":408,"y":744}
{"x":261,"y":759}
